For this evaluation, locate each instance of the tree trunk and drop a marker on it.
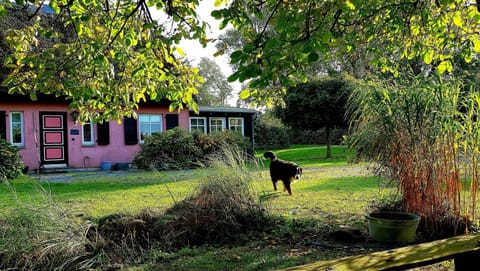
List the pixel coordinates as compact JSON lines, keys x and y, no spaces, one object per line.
{"x":329,"y":151}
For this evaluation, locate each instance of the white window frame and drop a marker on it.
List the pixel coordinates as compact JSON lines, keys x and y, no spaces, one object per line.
{"x":204,"y":130}
{"x":149,"y":132}
{"x":22,"y":129}
{"x":217,"y":118}
{"x":242,"y":126}
{"x":92,"y":138}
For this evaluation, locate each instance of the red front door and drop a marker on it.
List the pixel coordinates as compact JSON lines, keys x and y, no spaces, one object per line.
{"x":53,"y":138}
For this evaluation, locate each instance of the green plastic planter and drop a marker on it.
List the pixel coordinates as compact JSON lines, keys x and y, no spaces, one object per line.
{"x":393,"y":226}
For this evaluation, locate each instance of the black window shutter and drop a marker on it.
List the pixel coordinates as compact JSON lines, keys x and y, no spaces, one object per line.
{"x":3,"y":125}
{"x":103,"y":133}
{"x":171,"y":120}
{"x":130,"y":128}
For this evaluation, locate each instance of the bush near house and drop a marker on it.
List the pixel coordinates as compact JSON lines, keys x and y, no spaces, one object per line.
{"x":211,"y":144}
{"x":11,"y":164}
{"x":172,"y":149}
{"x":180,"y":149}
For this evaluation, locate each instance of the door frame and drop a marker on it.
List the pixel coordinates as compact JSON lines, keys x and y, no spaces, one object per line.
{"x":58,"y":129}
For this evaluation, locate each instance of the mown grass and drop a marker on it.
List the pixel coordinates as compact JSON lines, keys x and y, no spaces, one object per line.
{"x":333,"y":192}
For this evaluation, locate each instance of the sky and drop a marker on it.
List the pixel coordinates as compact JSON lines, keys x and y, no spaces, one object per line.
{"x":195,"y":51}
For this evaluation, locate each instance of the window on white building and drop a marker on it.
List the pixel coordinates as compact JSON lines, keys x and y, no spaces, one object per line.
{"x":217,"y":124}
{"x":236,"y":124}
{"x":17,"y":137}
{"x":198,"y":123}
{"x":149,"y":124}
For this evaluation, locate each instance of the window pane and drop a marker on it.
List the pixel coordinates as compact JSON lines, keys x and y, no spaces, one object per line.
{"x":155,"y":118}
{"x":144,"y":118}
{"x":16,"y":133}
{"x":145,"y":128}
{"x":16,"y":128}
{"x":87,"y":133}
{"x":155,"y":128}
{"x":16,"y":117}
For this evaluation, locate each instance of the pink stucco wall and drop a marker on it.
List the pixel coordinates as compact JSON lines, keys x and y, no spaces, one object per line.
{"x":80,"y":156}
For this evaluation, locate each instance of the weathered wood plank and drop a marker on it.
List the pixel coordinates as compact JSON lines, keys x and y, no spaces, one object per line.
{"x":401,"y":258}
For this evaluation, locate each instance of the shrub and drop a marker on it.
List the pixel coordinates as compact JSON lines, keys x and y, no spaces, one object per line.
{"x":270,"y":133}
{"x":11,"y":164}
{"x":212,"y":144}
{"x":171,"y":149}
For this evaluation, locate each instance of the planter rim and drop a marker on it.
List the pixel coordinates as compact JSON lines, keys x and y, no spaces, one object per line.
{"x":403,"y":216}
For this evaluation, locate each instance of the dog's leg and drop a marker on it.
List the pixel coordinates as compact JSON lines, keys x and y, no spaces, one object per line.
{"x":274,"y":184}
{"x":286,"y":186}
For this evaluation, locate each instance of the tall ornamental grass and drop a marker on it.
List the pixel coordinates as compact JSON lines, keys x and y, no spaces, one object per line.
{"x":425,"y":134}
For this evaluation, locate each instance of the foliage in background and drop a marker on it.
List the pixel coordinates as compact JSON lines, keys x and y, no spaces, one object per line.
{"x":11,"y":164}
{"x":419,"y":131}
{"x":318,"y":104}
{"x":317,"y":137}
{"x":270,"y":132}
{"x":171,"y":149}
{"x":215,"y":89}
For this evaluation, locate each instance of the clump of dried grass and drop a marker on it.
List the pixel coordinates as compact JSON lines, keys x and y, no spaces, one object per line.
{"x":224,"y":208}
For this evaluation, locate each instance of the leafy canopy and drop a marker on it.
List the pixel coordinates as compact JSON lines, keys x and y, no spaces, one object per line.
{"x":295,"y":34}
{"x":109,"y":55}
{"x":105,"y":56}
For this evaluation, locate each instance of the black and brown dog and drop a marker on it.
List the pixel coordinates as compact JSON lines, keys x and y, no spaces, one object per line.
{"x":285,"y":171}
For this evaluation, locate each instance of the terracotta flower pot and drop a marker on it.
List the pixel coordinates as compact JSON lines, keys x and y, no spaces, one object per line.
{"x":393,"y":226}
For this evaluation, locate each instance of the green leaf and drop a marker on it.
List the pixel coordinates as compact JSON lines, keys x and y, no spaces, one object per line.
{"x":457,"y":19}
{"x":128,"y":42}
{"x":233,"y":77}
{"x":428,"y":56}
{"x":180,"y":51}
{"x":245,"y":94}
{"x":444,"y":66}
{"x":236,"y":56}
{"x":476,"y":44}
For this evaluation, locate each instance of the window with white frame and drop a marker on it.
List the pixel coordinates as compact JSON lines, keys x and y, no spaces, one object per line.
{"x":149,"y":124}
{"x":87,"y":134}
{"x":17,"y":137}
{"x":198,"y":123}
{"x":236,"y":124}
{"x":217,"y":124}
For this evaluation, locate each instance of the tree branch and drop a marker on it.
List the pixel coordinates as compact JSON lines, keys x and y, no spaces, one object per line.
{"x":139,"y":4}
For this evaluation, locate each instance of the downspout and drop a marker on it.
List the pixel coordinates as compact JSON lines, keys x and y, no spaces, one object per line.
{"x":255,"y":115}
{"x":37,"y":147}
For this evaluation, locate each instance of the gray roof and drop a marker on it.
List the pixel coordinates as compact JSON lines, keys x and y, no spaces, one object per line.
{"x":225,"y":109}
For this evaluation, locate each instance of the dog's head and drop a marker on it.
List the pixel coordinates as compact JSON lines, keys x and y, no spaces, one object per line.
{"x":269,"y":154}
{"x":298,"y":174}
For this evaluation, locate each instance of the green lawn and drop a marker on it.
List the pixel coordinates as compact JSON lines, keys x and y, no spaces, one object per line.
{"x":331,"y":193}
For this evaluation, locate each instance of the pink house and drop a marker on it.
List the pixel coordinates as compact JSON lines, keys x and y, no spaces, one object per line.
{"x":48,"y":137}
